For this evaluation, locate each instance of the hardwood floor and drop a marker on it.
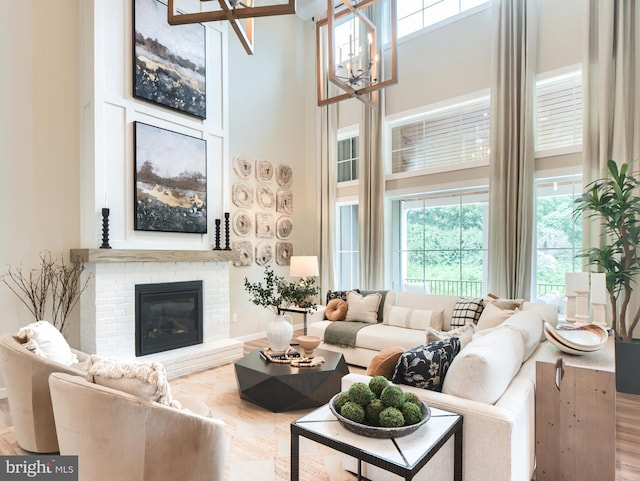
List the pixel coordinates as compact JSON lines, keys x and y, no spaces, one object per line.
{"x":627,"y":427}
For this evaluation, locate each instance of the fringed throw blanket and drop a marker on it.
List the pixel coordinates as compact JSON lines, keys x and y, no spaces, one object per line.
{"x":343,"y":333}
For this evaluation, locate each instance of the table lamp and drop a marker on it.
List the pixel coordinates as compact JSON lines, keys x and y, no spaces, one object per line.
{"x":303,"y":266}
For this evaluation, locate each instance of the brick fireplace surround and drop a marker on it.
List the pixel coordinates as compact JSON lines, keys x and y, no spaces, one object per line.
{"x":107,"y":306}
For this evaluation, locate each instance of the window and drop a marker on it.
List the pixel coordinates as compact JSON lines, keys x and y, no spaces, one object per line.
{"x":558,"y":114}
{"x":414,"y":15}
{"x":442,"y":245}
{"x":348,"y":159}
{"x":347,"y":247}
{"x":453,"y":135}
{"x":558,"y":237}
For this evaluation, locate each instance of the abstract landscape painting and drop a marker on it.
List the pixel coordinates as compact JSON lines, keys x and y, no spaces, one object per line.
{"x":170,"y":181}
{"x":169,"y":60}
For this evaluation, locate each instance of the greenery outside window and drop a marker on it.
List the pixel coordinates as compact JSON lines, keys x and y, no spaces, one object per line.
{"x":442,"y":245}
{"x":558,"y":237}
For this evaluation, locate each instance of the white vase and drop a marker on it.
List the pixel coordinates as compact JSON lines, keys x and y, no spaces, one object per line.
{"x":279,"y":332}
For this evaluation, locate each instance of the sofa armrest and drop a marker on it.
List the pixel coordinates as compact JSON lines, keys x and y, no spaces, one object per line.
{"x":498,"y":441}
{"x":317,"y":315}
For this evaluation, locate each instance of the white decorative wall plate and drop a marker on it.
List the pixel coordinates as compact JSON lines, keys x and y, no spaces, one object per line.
{"x":284,"y":227}
{"x":264,"y":170}
{"x":284,"y":176}
{"x":264,"y":253}
{"x":242,"y":195}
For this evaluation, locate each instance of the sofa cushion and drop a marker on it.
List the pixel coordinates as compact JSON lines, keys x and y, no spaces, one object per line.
{"x":464,"y":333}
{"x":548,"y":313}
{"x":426,"y":366}
{"x":416,"y":300}
{"x":378,"y":336}
{"x":45,"y":340}
{"x":336,"y":310}
{"x":413,"y":318}
{"x":363,"y":308}
{"x":384,"y":363}
{"x":530,"y":326}
{"x":466,"y":311}
{"x":484,"y":369}
{"x":146,"y":380}
{"x":493,"y":316}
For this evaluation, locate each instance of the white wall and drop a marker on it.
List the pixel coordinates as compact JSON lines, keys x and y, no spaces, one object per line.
{"x":268,"y":98}
{"x":108,"y":113}
{"x":39,"y":159}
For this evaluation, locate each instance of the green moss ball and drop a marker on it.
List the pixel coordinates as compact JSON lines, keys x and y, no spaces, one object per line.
{"x":377,"y":384}
{"x":372,"y":412}
{"x":340,"y":399}
{"x":392,"y":396}
{"x":412,"y":413}
{"x":360,"y":393}
{"x":353,"y":411}
{"x":409,"y":397}
{"x":391,"y":418}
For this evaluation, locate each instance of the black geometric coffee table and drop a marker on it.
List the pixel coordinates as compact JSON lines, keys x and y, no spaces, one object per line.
{"x":280,"y":387}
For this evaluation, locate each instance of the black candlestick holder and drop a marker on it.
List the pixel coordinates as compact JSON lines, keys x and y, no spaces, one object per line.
{"x":217,"y":246}
{"x":105,"y":229}
{"x":227,"y":245}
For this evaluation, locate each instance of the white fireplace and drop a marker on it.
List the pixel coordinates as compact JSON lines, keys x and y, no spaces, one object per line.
{"x":107,"y":306}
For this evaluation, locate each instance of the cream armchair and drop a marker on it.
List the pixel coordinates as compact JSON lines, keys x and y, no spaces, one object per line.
{"x":121,"y":437}
{"x":26,"y":377}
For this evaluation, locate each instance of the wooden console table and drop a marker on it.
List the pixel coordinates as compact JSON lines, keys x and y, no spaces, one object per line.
{"x":576,"y":415}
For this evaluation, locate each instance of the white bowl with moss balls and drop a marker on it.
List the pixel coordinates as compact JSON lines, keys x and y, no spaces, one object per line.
{"x":379,"y":410}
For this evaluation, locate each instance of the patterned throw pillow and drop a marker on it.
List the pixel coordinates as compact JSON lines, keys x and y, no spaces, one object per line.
{"x":466,"y":311}
{"x":338,"y":295}
{"x":426,"y":366}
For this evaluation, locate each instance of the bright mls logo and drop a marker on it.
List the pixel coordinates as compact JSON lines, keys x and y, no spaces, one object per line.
{"x":45,"y":467}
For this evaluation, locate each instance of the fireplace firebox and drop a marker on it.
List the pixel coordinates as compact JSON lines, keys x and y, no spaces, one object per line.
{"x":168,"y":316}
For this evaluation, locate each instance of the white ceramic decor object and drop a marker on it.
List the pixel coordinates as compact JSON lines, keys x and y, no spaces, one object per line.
{"x":279,"y":332}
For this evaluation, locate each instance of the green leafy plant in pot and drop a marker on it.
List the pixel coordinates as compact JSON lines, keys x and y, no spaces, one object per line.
{"x":276,"y":293}
{"x":614,"y":203}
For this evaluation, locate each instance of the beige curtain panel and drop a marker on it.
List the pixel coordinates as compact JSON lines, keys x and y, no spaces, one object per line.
{"x":511,"y":199}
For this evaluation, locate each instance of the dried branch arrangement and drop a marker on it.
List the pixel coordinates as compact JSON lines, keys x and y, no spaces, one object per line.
{"x":59,"y":285}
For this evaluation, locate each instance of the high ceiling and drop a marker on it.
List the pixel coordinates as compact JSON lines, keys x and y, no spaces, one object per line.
{"x":305,"y":9}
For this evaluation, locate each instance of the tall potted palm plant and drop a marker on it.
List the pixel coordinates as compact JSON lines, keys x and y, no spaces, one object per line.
{"x":615,"y":204}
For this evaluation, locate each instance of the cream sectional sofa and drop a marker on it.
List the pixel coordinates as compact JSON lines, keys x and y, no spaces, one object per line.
{"x":491,"y":382}
{"x":372,"y":339}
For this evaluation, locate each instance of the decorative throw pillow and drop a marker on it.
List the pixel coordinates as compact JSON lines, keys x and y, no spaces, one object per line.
{"x":485,"y":368}
{"x":44,"y":340}
{"x":503,"y":303}
{"x":466,"y":311}
{"x":362,"y":308}
{"x":383,"y":293}
{"x":384,"y":363}
{"x":338,"y":295}
{"x":336,"y":310}
{"x":146,"y":380}
{"x":426,"y":366}
{"x":464,"y":333}
{"x":493,"y":316}
{"x":413,"y":318}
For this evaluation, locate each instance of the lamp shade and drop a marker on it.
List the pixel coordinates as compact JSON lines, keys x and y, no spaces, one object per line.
{"x":303,"y":266}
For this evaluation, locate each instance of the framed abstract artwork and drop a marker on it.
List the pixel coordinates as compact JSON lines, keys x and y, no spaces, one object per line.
{"x":169,"y":61}
{"x":170,"y":191}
